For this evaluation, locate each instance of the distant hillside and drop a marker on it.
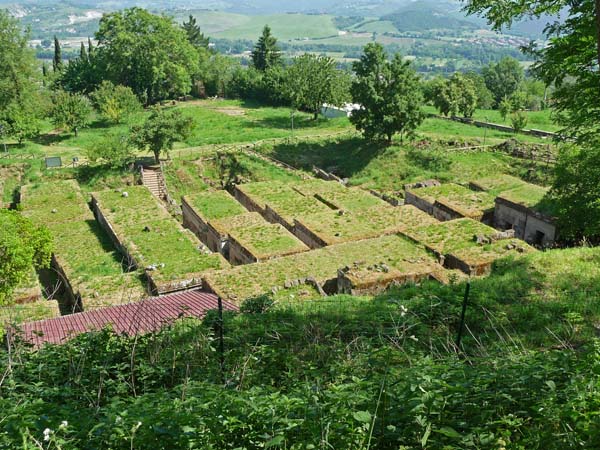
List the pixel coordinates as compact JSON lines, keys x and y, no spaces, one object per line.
{"x":423,"y":17}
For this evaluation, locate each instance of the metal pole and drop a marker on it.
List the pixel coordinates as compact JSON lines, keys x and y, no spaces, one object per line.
{"x":221,"y":341}
{"x":485,"y":131}
{"x":462,"y":315}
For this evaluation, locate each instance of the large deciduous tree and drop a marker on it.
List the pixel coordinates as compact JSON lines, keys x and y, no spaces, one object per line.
{"x":23,"y":247}
{"x":455,"y":96}
{"x":575,"y":191}
{"x":19,"y":105}
{"x":150,"y":54}
{"x":160,"y":131}
{"x":389,"y":95}
{"x":266,"y":53}
{"x":312,"y":81}
{"x":503,"y":78}
{"x":570,"y":59}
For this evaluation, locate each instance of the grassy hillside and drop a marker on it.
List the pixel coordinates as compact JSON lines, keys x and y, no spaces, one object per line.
{"x":284,"y":26}
{"x":426,"y":19}
{"x":340,"y":373}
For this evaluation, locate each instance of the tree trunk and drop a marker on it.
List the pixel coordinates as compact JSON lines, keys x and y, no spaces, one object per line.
{"x":156,"y":156}
{"x":316,"y":113}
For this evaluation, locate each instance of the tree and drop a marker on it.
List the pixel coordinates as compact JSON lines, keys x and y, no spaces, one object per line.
{"x":569,"y":59}
{"x":231,"y":171}
{"x":160,"y":131}
{"x":503,"y":78}
{"x":57,"y":62}
{"x":455,"y":95}
{"x":148,"y":53}
{"x":194,"y":35}
{"x":575,"y":192}
{"x":505,"y":108}
{"x":389,"y":93}
{"x":115,"y":103}
{"x":83,"y":55}
{"x":70,"y":111}
{"x":21,"y":120}
{"x":17,"y":70}
{"x":23,"y":247}
{"x":312,"y":81}
{"x":266,"y":53}
{"x":485,"y":99}
{"x":114,"y":148}
{"x":215,"y":73}
{"x":518,"y":120}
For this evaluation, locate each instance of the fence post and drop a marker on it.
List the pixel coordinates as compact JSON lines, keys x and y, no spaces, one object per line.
{"x":221,"y":341}
{"x":462,"y":315}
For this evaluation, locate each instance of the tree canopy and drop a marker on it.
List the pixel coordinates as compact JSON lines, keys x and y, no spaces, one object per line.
{"x":70,"y":111}
{"x":503,"y":78}
{"x":194,"y":35}
{"x":23,"y":247}
{"x":160,"y":131}
{"x":389,"y":95}
{"x":457,"y":95}
{"x":17,"y":71}
{"x":115,"y":102}
{"x":312,"y":81}
{"x":569,"y":60}
{"x":266,"y":53}
{"x":150,"y":54}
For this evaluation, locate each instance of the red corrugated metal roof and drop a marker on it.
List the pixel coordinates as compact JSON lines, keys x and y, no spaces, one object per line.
{"x":133,"y":318}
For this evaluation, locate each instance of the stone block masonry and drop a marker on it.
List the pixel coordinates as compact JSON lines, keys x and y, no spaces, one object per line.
{"x":171,"y":257}
{"x":528,"y":224}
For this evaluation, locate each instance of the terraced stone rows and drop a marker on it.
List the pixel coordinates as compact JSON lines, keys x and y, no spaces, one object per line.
{"x":153,"y":241}
{"x":241,"y":236}
{"x":92,"y":271}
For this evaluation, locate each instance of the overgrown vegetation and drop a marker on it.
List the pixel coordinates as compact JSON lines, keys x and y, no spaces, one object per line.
{"x":373,"y":373}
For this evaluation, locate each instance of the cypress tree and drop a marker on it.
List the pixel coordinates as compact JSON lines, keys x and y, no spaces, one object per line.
{"x":57,"y":62}
{"x":90,"y":46}
{"x":83,"y":55}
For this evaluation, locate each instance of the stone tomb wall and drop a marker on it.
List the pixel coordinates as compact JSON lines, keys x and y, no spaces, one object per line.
{"x":411,"y":198}
{"x":193,"y":222}
{"x":528,"y":224}
{"x":362,"y":282}
{"x":208,"y":235}
{"x":155,"y":287}
{"x":306,"y":235}
{"x":443,"y":211}
{"x":107,"y":226}
{"x":247,"y":202}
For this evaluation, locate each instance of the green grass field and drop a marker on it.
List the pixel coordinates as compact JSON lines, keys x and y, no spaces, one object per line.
{"x":285,"y":26}
{"x":539,"y":120}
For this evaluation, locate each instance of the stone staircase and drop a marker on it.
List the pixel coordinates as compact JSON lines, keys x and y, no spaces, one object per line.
{"x":153,"y":179}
